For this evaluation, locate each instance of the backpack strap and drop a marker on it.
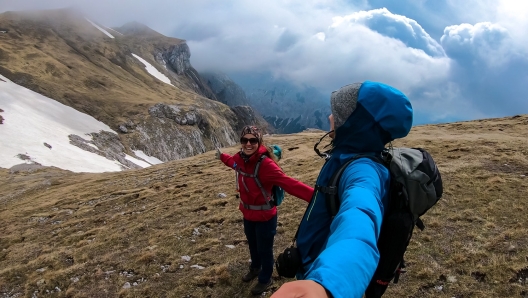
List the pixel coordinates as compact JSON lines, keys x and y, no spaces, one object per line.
{"x":267,"y":196}
{"x":331,"y":191}
{"x":256,"y":207}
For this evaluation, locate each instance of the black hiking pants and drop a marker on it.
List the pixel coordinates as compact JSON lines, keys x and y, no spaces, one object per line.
{"x":260,"y":235}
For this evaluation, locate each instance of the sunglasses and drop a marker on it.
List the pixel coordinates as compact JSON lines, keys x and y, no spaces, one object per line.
{"x":252,"y":141}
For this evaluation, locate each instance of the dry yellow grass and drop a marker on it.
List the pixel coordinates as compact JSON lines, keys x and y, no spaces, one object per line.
{"x":90,"y":234}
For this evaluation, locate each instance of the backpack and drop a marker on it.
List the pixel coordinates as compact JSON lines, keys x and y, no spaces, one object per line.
{"x":277,"y":193}
{"x":415,"y":186}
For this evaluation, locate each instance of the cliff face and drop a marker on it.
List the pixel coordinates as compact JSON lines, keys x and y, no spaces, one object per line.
{"x":176,"y":58}
{"x":225,"y":90}
{"x":245,"y":115}
{"x":170,"y":53}
{"x":135,"y":80}
{"x":174,"y":132}
{"x":228,"y":92}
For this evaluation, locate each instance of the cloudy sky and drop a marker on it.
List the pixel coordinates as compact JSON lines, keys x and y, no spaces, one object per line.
{"x":456,"y":60}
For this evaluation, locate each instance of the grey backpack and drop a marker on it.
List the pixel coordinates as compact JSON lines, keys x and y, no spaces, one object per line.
{"x":416,"y":185}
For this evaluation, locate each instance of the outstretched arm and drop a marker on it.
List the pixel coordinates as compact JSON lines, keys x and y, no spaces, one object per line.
{"x":350,"y":257}
{"x":273,"y":174}
{"x":226,"y":159}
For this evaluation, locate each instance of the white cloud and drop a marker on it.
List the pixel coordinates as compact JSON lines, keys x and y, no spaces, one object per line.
{"x":486,"y":42}
{"x":513,"y":15}
{"x":489,"y":67}
{"x":396,"y":26}
{"x":321,"y":36}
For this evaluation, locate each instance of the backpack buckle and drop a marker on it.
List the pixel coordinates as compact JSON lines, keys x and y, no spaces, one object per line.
{"x":329,"y":190}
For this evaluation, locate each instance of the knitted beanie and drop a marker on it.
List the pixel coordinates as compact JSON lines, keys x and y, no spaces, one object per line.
{"x":253,"y":130}
{"x":343,"y":103}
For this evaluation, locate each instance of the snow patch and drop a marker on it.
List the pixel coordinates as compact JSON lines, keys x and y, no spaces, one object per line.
{"x":101,"y":29}
{"x":150,"y":159}
{"x":32,"y":119}
{"x":153,"y":71}
{"x":92,"y":145}
{"x":138,"y":162}
{"x":114,"y":30}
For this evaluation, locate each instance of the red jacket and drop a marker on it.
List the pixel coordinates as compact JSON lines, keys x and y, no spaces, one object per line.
{"x":269,"y":174}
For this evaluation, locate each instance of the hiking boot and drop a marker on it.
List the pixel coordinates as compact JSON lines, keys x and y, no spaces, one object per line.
{"x":250,"y":275}
{"x":261,"y":288}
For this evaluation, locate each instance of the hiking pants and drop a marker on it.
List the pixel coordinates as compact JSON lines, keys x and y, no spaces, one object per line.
{"x":260,"y":235}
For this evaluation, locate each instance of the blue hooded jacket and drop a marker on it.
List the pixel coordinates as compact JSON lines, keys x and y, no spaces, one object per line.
{"x":342,"y":254}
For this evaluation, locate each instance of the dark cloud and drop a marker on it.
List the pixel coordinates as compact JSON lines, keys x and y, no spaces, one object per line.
{"x":488,"y":67}
{"x":286,"y":41}
{"x":196,"y":32}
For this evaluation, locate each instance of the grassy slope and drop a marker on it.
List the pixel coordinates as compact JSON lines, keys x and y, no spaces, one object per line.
{"x":89,"y":234}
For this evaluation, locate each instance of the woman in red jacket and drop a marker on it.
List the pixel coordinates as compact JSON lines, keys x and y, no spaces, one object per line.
{"x":260,"y":215}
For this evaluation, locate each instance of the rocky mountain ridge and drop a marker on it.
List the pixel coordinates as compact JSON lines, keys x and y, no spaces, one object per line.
{"x":288,"y":107}
{"x":101,"y":71}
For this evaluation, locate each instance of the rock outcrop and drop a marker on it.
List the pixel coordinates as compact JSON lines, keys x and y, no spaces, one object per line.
{"x":177,"y":59}
{"x":105,"y":144}
{"x":245,"y":115}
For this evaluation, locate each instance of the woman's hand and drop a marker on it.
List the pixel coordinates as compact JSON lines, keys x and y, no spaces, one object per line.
{"x":301,"y":289}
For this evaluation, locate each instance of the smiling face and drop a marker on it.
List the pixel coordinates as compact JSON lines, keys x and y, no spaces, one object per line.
{"x":249,"y":144}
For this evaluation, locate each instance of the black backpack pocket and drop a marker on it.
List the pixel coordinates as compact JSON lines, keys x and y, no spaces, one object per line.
{"x":289,"y":262}
{"x":394,"y":237}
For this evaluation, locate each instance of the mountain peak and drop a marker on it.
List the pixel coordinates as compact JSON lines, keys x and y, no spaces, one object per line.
{"x":136,"y":28}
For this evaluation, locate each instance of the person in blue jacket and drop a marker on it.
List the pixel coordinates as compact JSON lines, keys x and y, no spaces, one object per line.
{"x":340,"y":255}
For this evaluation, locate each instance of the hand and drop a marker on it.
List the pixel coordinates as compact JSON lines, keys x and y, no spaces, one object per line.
{"x":218,"y":153}
{"x":301,"y":289}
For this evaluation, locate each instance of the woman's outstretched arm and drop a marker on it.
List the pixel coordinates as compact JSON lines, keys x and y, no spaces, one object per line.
{"x":272,"y":173}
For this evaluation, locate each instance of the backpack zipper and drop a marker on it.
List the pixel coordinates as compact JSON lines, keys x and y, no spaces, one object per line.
{"x":315,"y":198}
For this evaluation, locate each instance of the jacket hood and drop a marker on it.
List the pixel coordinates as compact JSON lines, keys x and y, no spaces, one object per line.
{"x":378,"y":114}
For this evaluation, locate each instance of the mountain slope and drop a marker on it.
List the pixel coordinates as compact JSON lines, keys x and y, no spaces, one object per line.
{"x":116,"y":76}
{"x":41,"y":131}
{"x":174,"y":229}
